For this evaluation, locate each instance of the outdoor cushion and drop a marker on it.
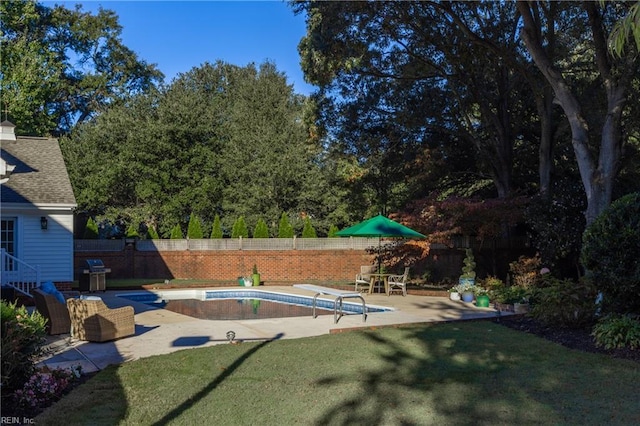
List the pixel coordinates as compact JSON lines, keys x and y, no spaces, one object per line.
{"x":49,"y":288}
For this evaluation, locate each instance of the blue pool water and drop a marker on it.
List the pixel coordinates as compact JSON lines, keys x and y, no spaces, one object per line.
{"x":241,"y":304}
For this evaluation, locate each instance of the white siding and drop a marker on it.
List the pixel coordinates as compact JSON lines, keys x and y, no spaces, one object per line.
{"x":51,"y":248}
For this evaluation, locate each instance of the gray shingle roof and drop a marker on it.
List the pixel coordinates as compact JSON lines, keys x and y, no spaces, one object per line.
{"x":40,"y":176}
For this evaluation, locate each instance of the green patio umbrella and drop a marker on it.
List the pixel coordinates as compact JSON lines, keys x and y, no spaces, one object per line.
{"x":379,"y":226}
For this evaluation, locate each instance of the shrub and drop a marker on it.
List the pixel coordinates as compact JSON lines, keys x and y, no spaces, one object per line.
{"x":308,"y":231}
{"x":492,"y":283}
{"x":22,"y":340}
{"x":194,"y":229}
{"x":132,"y":232}
{"x":176,"y":233}
{"x":239,"y":228}
{"x":565,"y":303}
{"x":152,"y":234}
{"x":469,"y":268}
{"x":525,"y":271}
{"x":610,"y":247}
{"x":333,"y":230}
{"x":285,"y":230}
{"x":510,"y":295}
{"x":91,"y":230}
{"x":216,"y":230}
{"x":617,"y":331}
{"x":261,"y":230}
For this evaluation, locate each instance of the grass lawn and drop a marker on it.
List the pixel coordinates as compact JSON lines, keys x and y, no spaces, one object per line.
{"x":443,"y":374}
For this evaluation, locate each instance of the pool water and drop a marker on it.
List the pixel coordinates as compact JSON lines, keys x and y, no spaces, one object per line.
{"x":238,"y":309}
{"x":241,"y":304}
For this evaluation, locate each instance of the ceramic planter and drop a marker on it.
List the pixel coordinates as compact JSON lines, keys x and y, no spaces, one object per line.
{"x":256,"y":279}
{"x":467,"y":296}
{"x":454,"y":296}
{"x":482,"y":301}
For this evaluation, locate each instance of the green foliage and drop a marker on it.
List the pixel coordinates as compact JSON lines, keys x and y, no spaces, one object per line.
{"x":492,"y":283}
{"x":22,"y":342}
{"x":285,"y":230}
{"x":308,"y":231}
{"x":333,"y":230}
{"x":176,"y":233}
{"x":239,"y":228}
{"x":564,"y":303}
{"x":617,"y":331}
{"x":64,"y":65}
{"x":261,"y":230}
{"x":132,"y":232}
{"x":469,"y":268}
{"x":194,"y":230}
{"x":610,"y":255}
{"x":91,"y":230}
{"x":216,"y":229}
{"x":510,"y":295}
{"x":152,"y":234}
{"x":255,"y":269}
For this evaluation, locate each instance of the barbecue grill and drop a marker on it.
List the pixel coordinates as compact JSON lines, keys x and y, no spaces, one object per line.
{"x":93,"y":277}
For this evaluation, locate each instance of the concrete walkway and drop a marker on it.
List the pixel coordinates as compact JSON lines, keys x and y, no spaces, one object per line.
{"x":160,"y":331}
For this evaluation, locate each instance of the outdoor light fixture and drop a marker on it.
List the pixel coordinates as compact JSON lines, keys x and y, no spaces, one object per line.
{"x":44,"y":222}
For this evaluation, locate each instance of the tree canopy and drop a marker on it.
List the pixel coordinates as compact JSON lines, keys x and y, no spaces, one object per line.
{"x":61,"y":67}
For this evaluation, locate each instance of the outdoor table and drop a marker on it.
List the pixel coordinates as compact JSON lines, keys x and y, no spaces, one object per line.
{"x":385,"y":280}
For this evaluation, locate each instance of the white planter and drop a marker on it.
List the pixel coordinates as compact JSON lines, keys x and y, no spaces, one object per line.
{"x":454,"y":296}
{"x":248,"y":282}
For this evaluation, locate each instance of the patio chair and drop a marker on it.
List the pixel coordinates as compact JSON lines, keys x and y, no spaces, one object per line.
{"x":56,"y":312}
{"x":92,"y":320}
{"x":399,"y":282}
{"x":363,"y":279}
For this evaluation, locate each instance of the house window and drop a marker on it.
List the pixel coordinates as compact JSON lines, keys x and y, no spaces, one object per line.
{"x":8,"y":241}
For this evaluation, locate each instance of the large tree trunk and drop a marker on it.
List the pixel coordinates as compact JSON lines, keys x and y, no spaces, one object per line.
{"x":597,"y":180}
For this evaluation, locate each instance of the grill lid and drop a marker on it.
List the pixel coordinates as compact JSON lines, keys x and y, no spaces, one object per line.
{"x":95,"y":265}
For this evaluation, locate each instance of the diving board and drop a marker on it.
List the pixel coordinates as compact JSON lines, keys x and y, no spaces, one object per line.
{"x":339,"y":294}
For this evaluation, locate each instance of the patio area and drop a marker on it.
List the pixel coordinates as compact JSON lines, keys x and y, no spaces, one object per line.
{"x":159,"y":331}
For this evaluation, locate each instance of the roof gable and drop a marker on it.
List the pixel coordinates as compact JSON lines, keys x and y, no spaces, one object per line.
{"x":40,"y":174}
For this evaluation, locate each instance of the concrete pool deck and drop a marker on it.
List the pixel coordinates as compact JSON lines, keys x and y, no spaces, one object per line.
{"x":160,"y":331}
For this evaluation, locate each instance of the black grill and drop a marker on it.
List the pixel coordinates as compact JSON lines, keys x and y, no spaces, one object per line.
{"x":93,"y":277}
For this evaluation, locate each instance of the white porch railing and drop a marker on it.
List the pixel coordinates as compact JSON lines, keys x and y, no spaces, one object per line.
{"x":18,"y":274}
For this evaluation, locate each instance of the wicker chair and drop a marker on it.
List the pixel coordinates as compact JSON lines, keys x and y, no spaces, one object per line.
{"x":92,"y":320}
{"x":56,"y":313}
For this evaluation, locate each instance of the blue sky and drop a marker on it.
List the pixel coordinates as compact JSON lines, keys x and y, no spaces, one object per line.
{"x":180,"y":35}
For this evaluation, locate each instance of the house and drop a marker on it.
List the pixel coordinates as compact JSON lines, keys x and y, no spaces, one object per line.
{"x":36,"y":211}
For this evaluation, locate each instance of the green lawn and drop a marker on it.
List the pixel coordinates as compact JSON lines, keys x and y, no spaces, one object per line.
{"x":445,"y":374}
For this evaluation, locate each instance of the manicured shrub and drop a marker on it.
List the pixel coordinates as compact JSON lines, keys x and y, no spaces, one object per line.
{"x":333,"y":230}
{"x":91,"y":230}
{"x":261,"y":230}
{"x":564,"y":303}
{"x":617,"y":331}
{"x":132,"y":232}
{"x":308,"y":231}
{"x":194,"y":229}
{"x":610,"y":247}
{"x":22,"y":341}
{"x":285,"y":230}
{"x":239,"y":228}
{"x":176,"y":233}
{"x":152,"y":234}
{"x":216,"y":229}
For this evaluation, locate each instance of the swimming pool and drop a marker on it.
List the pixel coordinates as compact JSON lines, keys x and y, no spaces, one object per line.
{"x":241,"y":303}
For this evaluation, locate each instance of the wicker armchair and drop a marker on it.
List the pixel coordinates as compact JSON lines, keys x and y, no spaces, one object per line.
{"x":56,"y":313}
{"x":92,"y":320}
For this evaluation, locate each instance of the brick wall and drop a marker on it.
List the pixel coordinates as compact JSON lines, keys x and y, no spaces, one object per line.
{"x":274,"y":266}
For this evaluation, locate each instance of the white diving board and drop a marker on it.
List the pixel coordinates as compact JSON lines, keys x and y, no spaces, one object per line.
{"x":340,"y":295}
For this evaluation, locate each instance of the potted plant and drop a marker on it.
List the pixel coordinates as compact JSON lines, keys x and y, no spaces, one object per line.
{"x":468,"y":276}
{"x":466,"y":292}
{"x":255,"y":276}
{"x":454,"y":294}
{"x":510,"y":299}
{"x":482,"y":297}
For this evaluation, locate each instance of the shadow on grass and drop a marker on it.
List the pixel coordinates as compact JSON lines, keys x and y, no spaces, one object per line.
{"x":175,"y":413}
